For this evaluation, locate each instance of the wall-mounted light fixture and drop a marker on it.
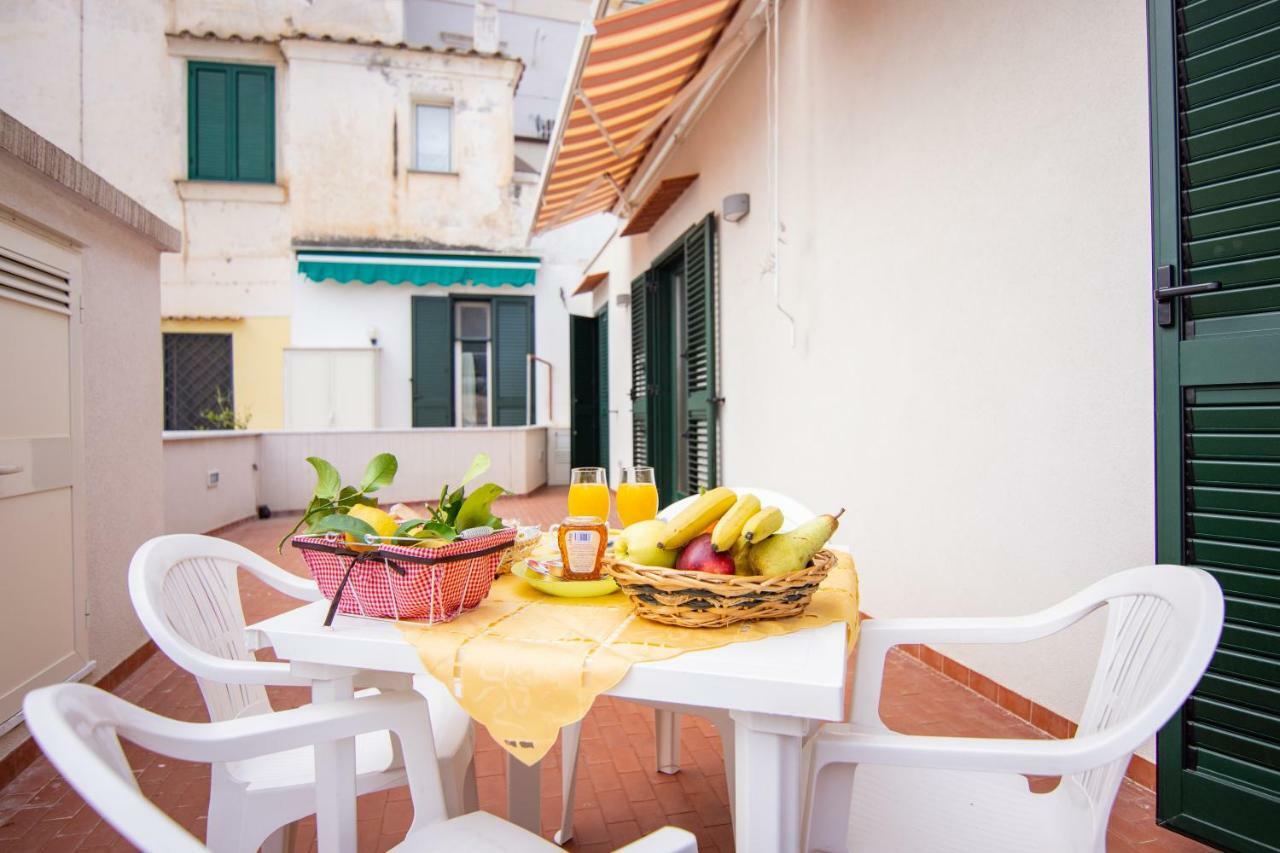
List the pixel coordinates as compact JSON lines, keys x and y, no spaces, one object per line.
{"x":623,"y":300}
{"x":736,"y":207}
{"x":373,"y":336}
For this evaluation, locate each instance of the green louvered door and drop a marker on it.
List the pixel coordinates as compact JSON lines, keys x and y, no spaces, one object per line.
{"x":602,"y":384}
{"x":640,"y":371}
{"x":698,"y":351}
{"x":673,"y":365}
{"x":512,"y":344}
{"x":1216,"y":172}
{"x":584,"y":394}
{"x":432,"y":377}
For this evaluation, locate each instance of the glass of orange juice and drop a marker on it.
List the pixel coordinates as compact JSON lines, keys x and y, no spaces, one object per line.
{"x":589,"y":493}
{"x":637,"y":495}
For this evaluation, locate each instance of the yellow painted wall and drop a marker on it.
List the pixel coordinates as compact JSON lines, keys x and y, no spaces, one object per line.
{"x":257,"y":363}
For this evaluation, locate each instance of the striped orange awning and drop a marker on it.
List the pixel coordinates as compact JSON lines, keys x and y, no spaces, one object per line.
{"x":637,"y":64}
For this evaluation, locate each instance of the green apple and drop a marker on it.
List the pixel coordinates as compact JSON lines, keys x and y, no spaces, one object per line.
{"x":639,"y":544}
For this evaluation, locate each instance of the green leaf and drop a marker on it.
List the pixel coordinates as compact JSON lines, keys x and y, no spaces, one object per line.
{"x":350,"y":496}
{"x":478,"y":466}
{"x":476,"y":508}
{"x":380,"y":471}
{"x":317,"y":506}
{"x":327,"y":479}
{"x":406,"y":528}
{"x":338,"y":523}
{"x":435,"y":529}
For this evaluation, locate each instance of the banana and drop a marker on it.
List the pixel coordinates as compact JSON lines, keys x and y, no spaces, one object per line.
{"x":696,"y":517}
{"x":762,"y":525}
{"x":729,"y":527}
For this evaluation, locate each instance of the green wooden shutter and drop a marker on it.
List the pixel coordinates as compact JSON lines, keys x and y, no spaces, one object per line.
{"x":230,"y":122}
{"x":602,"y":384}
{"x":639,"y":372}
{"x":432,"y":362}
{"x":255,"y":124}
{"x":209,"y":122}
{"x":701,"y":396}
{"x":584,"y":446}
{"x":1216,"y":175}
{"x":512,"y":344}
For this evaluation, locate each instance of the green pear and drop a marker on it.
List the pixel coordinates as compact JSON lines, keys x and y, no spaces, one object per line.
{"x":738,"y":552}
{"x":783,"y":553}
{"x":639,"y":544}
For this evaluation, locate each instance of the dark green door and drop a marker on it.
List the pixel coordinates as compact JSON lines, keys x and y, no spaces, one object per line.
{"x":584,"y":393}
{"x":1215,"y":73}
{"x":673,"y":365}
{"x":602,"y":384}
{"x":432,"y":375}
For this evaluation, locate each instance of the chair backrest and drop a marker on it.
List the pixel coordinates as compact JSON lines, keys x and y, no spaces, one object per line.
{"x":1163,"y":625}
{"x":76,"y":726}
{"x":186,"y":593}
{"x":793,"y":512}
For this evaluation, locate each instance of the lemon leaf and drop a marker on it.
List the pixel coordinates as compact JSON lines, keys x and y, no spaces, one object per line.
{"x":344,"y":524}
{"x":380,"y":471}
{"x":475,"y":509}
{"x":328,"y":482}
{"x":478,"y":466}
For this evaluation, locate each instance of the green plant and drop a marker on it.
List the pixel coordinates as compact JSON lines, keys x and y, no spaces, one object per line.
{"x":454,"y":512}
{"x":223,"y":414}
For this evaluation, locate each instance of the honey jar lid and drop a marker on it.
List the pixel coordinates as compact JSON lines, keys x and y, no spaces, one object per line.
{"x":577,"y":520}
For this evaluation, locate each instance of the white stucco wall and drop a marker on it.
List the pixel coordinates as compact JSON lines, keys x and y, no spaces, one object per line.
{"x":965,"y":198}
{"x":122,"y":386}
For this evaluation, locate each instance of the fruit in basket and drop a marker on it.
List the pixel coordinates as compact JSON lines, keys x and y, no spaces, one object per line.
{"x":784,"y":553}
{"x":706,"y":510}
{"x":762,"y":525}
{"x":383,"y":523}
{"x":639,"y":544}
{"x":729,"y":527}
{"x":739,"y":554}
{"x":701,"y":556}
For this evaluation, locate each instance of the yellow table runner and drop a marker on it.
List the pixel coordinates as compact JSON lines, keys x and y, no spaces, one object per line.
{"x":524,"y":664}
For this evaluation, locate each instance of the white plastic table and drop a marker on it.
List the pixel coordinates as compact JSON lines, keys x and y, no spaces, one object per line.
{"x":772,"y":688}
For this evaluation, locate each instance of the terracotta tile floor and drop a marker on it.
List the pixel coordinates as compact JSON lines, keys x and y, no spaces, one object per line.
{"x":619,"y":797}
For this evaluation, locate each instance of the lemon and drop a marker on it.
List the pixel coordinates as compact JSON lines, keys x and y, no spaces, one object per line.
{"x":383,"y":523}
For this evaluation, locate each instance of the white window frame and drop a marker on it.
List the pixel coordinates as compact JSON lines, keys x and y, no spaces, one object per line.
{"x":457,"y":306}
{"x":413,"y":153}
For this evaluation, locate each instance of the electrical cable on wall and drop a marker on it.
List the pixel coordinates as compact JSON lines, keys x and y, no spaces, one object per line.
{"x":773,"y":266}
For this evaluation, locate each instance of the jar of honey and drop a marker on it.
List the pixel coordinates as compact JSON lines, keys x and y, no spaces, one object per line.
{"x":582,"y":540}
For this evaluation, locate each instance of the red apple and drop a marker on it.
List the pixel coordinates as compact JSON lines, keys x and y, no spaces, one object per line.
{"x":699,"y":556}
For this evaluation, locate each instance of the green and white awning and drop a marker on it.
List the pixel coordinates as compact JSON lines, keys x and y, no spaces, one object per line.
{"x":419,"y":269}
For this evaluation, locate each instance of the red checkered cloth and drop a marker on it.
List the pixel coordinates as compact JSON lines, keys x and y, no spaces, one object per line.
{"x":400,"y":582}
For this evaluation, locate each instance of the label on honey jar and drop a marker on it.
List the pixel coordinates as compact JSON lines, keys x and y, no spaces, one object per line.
{"x":582,"y":543}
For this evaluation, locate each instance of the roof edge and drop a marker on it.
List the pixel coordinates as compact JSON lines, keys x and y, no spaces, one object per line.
{"x":33,"y":150}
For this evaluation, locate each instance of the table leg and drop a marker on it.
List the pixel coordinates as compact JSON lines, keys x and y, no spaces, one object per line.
{"x":524,"y":794}
{"x":767,"y":796}
{"x":666,"y":737}
{"x":570,"y":737}
{"x":335,"y":776}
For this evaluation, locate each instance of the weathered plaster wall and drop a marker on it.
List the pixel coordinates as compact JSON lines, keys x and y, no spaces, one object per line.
{"x":965,"y":197}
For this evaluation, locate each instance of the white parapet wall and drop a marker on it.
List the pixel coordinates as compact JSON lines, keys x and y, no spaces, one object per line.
{"x":270,"y":468}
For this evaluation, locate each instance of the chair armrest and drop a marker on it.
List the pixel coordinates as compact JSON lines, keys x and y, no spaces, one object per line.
{"x":877,"y":636}
{"x":840,"y":744}
{"x":404,"y":713}
{"x":303,"y":589}
{"x":227,"y":671}
{"x":669,"y":839}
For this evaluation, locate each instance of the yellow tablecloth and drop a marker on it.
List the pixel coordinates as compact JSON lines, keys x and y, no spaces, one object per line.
{"x":524,"y":664}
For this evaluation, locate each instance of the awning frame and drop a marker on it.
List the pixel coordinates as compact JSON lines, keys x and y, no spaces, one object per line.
{"x":329,"y":264}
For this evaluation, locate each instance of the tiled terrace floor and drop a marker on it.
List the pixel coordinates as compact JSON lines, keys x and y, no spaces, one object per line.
{"x":619,"y":794}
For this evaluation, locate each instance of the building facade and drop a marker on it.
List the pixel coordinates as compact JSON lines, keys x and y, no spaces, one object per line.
{"x":279,"y":131}
{"x":937,"y":312}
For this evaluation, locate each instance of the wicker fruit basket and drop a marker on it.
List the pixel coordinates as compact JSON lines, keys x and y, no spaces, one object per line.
{"x":704,"y":600}
{"x":526,"y":541}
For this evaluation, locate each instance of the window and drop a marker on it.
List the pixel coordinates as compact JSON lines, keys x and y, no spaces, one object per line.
{"x":471,"y":363}
{"x":433,"y":138}
{"x":197,"y":379}
{"x":231,"y":122}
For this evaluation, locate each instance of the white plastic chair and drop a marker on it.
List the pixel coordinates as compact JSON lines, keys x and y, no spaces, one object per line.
{"x":666,"y":717}
{"x":186,"y":593}
{"x":872,"y":789}
{"x":79,"y":728}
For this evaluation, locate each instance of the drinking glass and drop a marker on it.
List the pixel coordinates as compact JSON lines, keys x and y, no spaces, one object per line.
{"x":589,"y":493}
{"x":637,"y":495}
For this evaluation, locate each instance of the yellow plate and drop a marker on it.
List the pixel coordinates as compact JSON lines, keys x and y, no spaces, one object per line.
{"x":564,"y":589}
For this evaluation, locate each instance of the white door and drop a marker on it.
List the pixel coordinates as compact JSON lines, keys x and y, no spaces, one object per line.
{"x":330,"y":388}
{"x":42,"y":603}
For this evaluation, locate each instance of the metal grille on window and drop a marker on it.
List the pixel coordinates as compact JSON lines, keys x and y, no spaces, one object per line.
{"x":197,"y":370}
